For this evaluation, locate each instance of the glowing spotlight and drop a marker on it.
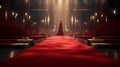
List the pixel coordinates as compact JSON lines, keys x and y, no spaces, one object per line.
{"x":61,"y":12}
{"x":96,"y":14}
{"x":26,"y":14}
{"x":72,"y":19}
{"x":16,"y":14}
{"x":114,"y":11}
{"x":0,"y":6}
{"x":60,"y":1}
{"x":29,"y":17}
{"x":60,"y":4}
{"x":102,"y":15}
{"x":48,"y":20}
{"x":43,"y":21}
{"x":13,"y":13}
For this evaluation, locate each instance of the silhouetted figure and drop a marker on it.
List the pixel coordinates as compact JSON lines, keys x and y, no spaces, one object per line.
{"x":60,"y":30}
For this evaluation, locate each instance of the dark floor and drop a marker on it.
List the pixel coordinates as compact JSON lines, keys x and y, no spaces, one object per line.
{"x":113,"y":53}
{"x":6,"y":53}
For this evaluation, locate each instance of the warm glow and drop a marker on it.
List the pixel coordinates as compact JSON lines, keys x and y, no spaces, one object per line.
{"x":76,"y":20}
{"x":85,"y":23}
{"x":106,"y":19}
{"x":29,"y":17}
{"x":55,"y":26}
{"x":115,"y":12}
{"x":96,"y":14}
{"x":92,"y":17}
{"x":26,"y":14}
{"x":66,"y":29}
{"x":60,"y":3}
{"x":34,"y":23}
{"x":102,"y":15}
{"x":15,"y":17}
{"x":103,"y":2}
{"x":61,"y":12}
{"x":13,"y":13}
{"x":6,"y":14}
{"x":48,"y":20}
{"x":16,"y":14}
{"x":54,"y":30}
{"x":43,"y":21}
{"x":98,"y":20}
{"x":26,"y":1}
{"x":12,"y":53}
{"x":0,"y":6}
{"x":23,"y":20}
{"x":72,"y":19}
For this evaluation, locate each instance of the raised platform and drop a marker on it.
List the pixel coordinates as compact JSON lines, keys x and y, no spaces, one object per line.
{"x":111,"y":42}
{"x":8,"y":43}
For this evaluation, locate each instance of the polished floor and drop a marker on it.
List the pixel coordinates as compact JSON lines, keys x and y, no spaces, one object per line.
{"x":113,"y":53}
{"x":6,"y":53}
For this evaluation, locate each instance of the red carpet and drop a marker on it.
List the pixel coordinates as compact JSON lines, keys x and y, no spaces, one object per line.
{"x":61,"y":51}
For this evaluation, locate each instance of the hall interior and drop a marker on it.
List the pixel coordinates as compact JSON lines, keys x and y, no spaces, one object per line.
{"x":53,"y":29}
